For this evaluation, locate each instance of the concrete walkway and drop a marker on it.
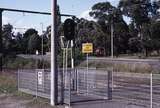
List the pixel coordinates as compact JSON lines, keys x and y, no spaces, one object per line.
{"x":105,"y":104}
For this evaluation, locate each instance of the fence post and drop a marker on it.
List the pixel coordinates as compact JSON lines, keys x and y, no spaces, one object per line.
{"x":151,"y":90}
{"x":62,"y":86}
{"x":112,"y":79}
{"x":110,"y":83}
{"x":70,"y":88}
{"x":18,"y":79}
{"x":36,"y":83}
{"x":77,"y":82}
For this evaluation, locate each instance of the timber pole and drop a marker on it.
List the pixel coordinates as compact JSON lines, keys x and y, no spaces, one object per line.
{"x":1,"y":45}
{"x":54,"y":70}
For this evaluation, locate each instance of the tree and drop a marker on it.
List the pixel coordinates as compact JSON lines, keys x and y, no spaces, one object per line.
{"x":7,"y":36}
{"x":89,"y":31}
{"x":45,"y":42}
{"x":19,"y":42}
{"x":134,"y":40}
{"x":121,"y":38}
{"x":142,"y":12}
{"x":101,"y":11}
{"x":34,"y":43}
{"x":155,"y":37}
{"x":106,"y":14}
{"x":26,"y":38}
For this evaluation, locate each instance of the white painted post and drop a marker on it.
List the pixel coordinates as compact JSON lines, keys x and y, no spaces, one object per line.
{"x":63,"y":76}
{"x":87,"y":73}
{"x":77,"y":81}
{"x":72,"y":66}
{"x":66,"y":66}
{"x":72,"y":60}
{"x":70,"y":89}
{"x":151,"y":90}
{"x":36,"y":75}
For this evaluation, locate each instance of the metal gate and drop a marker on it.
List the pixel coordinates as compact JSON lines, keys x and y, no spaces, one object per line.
{"x":74,"y":85}
{"x":81,"y":85}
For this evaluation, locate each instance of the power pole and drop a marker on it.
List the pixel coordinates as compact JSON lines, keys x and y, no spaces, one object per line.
{"x":111,"y":11}
{"x":112,"y":40}
{"x":54,"y":72}
{"x":112,"y":51}
{"x":1,"y":47}
{"x":42,"y":41}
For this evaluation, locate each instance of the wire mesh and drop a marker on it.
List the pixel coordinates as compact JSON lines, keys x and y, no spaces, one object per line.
{"x":74,"y":85}
{"x":132,"y":88}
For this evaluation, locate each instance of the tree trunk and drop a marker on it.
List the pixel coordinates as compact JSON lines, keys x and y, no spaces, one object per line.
{"x":146,"y":52}
{"x":158,"y":52}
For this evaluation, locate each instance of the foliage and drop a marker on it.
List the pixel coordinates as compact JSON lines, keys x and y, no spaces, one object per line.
{"x":30,"y":36}
{"x":120,"y":67}
{"x":14,"y":62}
{"x":34,"y":44}
{"x":7,"y":41}
{"x":108,"y":15}
{"x":142,"y":13}
{"x":141,"y":35}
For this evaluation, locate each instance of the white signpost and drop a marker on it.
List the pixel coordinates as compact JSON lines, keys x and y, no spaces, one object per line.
{"x":87,"y":48}
{"x":40,"y":78}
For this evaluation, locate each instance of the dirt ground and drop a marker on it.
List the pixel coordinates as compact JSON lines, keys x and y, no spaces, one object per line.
{"x":12,"y":102}
{"x":11,"y":98}
{"x":8,"y":101}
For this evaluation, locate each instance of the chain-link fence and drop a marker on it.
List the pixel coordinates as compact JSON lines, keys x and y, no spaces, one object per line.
{"x":35,"y":82}
{"x":74,"y":85}
{"x":137,"y":89}
{"x":94,"y":82}
{"x":155,"y":98}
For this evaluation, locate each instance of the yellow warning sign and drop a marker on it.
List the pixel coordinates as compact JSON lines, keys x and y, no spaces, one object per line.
{"x":87,"y":48}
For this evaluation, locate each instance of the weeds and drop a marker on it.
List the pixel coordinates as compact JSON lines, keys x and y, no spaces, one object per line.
{"x":8,"y":84}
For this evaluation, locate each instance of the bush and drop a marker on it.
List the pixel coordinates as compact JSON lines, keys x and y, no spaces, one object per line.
{"x":120,"y":67}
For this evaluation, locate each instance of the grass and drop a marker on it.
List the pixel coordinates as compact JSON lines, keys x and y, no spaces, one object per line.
{"x":23,"y":63}
{"x":121,"y":67}
{"x":8,"y":87}
{"x":39,"y":102}
{"x":8,"y":84}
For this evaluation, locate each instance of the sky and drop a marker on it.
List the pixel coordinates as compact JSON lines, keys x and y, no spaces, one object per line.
{"x":80,"y":8}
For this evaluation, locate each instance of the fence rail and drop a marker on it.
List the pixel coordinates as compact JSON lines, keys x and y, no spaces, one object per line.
{"x":73,"y":85}
{"x":78,"y":86}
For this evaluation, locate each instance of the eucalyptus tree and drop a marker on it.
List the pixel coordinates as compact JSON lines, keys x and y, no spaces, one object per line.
{"x":155,"y":36}
{"x":142,"y":13}
{"x":34,"y":43}
{"x":27,"y":36}
{"x":7,"y":38}
{"x":89,"y":31}
{"x":107,"y":15}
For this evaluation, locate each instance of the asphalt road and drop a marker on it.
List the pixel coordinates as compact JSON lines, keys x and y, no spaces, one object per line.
{"x":133,"y":90}
{"x":136,"y":90}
